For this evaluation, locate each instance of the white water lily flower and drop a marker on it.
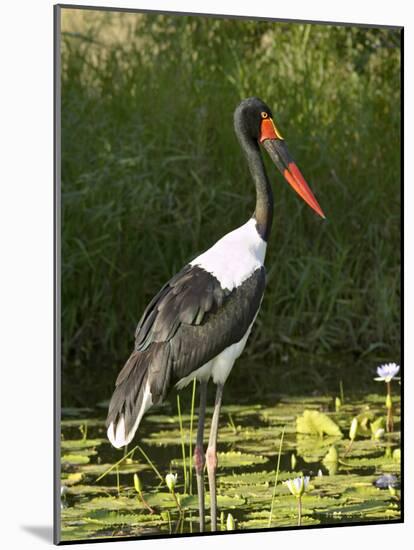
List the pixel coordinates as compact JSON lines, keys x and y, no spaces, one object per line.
{"x":298,"y":485}
{"x":387,"y":372}
{"x":171,"y":480}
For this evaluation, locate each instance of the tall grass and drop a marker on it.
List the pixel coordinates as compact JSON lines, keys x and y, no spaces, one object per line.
{"x":152,"y":174}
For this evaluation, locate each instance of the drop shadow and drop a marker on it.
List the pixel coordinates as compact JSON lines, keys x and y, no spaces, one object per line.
{"x":43,"y":532}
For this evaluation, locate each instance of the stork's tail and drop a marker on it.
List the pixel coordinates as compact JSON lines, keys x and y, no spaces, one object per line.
{"x":130,"y":401}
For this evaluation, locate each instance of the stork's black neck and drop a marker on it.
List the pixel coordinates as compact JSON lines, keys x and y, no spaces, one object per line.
{"x":263,"y":213}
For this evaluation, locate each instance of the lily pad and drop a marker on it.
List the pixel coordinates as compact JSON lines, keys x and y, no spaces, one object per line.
{"x":249,"y":443}
{"x":71,"y":479}
{"x":316,"y":400}
{"x":99,"y":469}
{"x":331,"y":456}
{"x":253,"y":478}
{"x":190,"y":502}
{"x":330,"y":460}
{"x":315,"y":422}
{"x":347,"y":487}
{"x":241,"y":410}
{"x":78,"y":444}
{"x":266,"y":447}
{"x":75,"y":459}
{"x":232,"y":459}
{"x":252,"y":522}
{"x":114,"y":518}
{"x":374,"y":507}
{"x":382,"y":462}
{"x":111,"y":503}
{"x":363,"y":447}
{"x":82,"y":490}
{"x":79,"y":531}
{"x":227,"y":435}
{"x":223,"y":501}
{"x":313,"y":449}
{"x":254,"y":494}
{"x":247,"y":433}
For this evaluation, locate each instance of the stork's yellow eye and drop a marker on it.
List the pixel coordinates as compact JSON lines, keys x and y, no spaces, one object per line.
{"x":264,"y":114}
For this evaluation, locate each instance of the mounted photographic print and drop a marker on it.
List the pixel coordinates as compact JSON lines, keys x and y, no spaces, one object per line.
{"x":228,"y":274}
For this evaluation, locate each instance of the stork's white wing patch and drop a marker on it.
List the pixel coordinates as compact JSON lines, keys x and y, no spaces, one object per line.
{"x":235,"y":256}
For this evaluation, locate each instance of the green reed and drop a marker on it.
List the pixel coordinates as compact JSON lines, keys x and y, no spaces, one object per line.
{"x":182,"y":436}
{"x":152,"y":174}
{"x":276,"y":476}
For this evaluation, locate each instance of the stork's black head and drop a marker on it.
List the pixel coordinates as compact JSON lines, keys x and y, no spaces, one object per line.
{"x":248,"y":117}
{"x":254,"y":124}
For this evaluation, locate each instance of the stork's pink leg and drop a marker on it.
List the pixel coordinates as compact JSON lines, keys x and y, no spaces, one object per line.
{"x":211,"y":457}
{"x":199,"y":459}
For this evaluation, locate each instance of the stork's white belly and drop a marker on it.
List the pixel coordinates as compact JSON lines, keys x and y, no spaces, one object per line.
{"x":218,"y":368}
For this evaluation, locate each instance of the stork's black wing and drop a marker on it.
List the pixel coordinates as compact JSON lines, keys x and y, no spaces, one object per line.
{"x":189,"y":322}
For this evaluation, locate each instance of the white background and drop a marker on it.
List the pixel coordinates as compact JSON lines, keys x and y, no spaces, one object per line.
{"x":26,"y":313}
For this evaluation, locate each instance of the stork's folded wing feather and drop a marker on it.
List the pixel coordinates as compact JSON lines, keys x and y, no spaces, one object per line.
{"x":189,"y":322}
{"x":197,"y":318}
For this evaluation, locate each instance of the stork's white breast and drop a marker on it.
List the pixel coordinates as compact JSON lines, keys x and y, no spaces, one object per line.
{"x":235,"y":256}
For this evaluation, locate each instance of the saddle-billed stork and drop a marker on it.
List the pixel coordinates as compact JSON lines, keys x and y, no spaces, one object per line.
{"x":199,"y":322}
